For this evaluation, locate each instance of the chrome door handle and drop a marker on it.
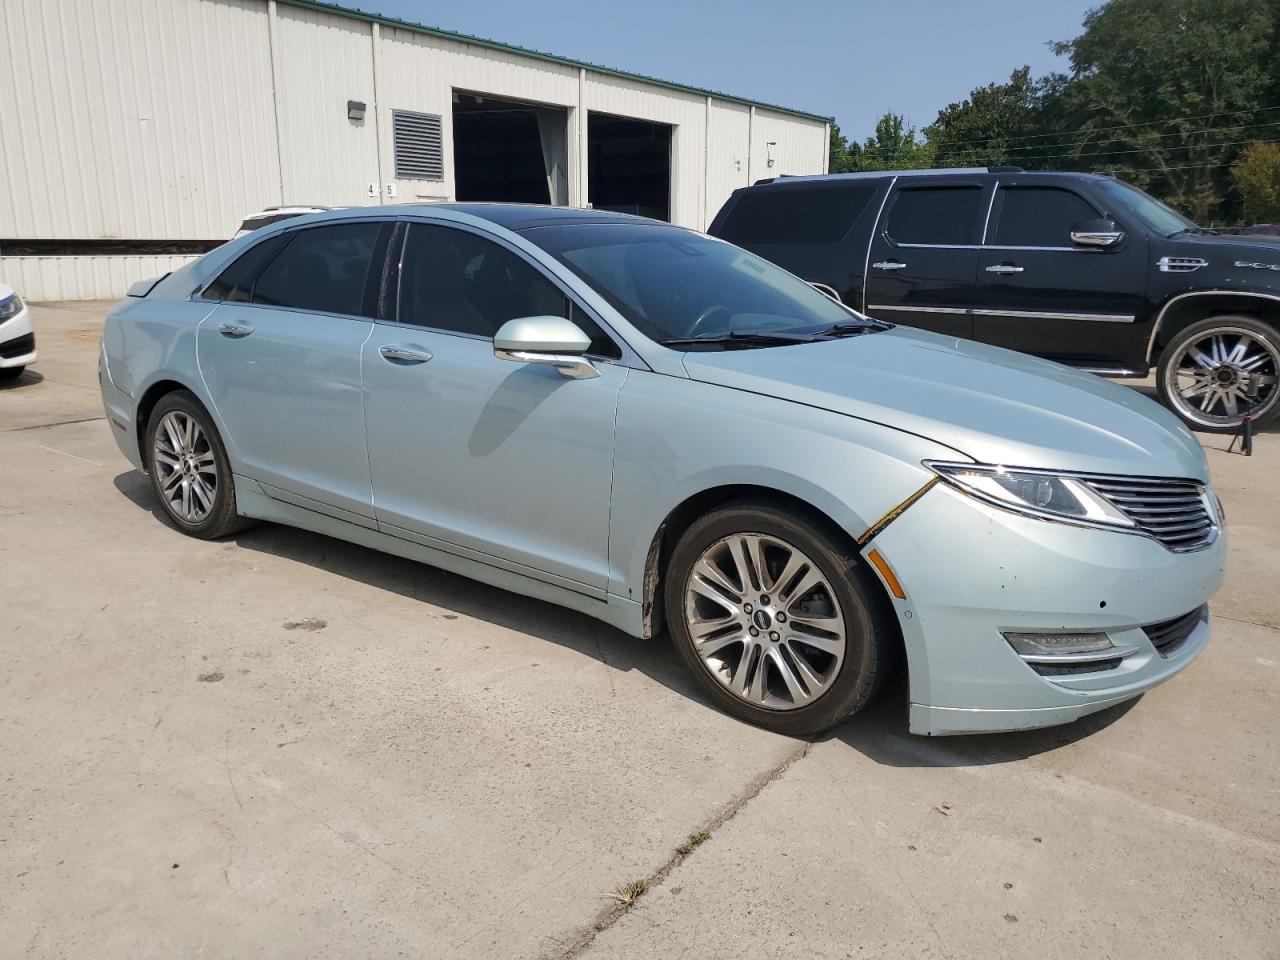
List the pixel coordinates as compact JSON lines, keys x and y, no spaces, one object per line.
{"x":234,"y":330}
{"x":889,"y":265}
{"x":404,"y":354}
{"x":1004,"y":268}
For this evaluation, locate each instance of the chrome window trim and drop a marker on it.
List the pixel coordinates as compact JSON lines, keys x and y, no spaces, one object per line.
{"x":1004,"y":185}
{"x":914,"y":309}
{"x":871,"y":242}
{"x":980,"y":246}
{"x":991,"y":204}
{"x":1155,"y":327}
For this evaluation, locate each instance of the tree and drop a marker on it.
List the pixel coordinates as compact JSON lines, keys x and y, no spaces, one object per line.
{"x":894,"y":147}
{"x":1165,"y":92}
{"x":842,"y":155}
{"x":1001,"y":123}
{"x":1257,"y":177}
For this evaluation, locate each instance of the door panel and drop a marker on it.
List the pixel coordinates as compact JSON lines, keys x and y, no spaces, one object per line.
{"x":924,"y":255}
{"x":287,"y":387}
{"x":511,"y":460}
{"x":1039,"y":293}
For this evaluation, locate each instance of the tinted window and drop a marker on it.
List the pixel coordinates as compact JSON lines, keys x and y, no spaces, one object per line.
{"x":236,"y":281}
{"x":673,"y":283}
{"x":935,"y":215}
{"x":454,"y":280}
{"x":1153,"y":214}
{"x":322,"y":268}
{"x":818,"y":214}
{"x":1037,"y":217}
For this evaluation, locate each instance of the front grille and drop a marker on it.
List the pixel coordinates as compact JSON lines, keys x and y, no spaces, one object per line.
{"x":1168,"y":636}
{"x":1174,"y":512}
{"x":18,"y":346}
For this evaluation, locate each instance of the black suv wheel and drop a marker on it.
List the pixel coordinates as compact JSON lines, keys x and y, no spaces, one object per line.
{"x":1216,"y":371}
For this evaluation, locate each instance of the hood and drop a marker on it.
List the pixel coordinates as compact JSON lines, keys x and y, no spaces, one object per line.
{"x":993,"y":405}
{"x":1230,"y":244}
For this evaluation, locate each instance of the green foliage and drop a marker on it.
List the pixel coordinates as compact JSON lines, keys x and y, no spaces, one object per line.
{"x":1165,"y":93}
{"x":1257,"y":177}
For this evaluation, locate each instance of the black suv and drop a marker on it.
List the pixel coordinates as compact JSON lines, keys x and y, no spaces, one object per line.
{"x":1086,"y":270}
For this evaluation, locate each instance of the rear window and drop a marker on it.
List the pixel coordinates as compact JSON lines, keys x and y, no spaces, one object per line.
{"x":810,"y":214}
{"x":236,"y":281}
{"x":935,"y":215}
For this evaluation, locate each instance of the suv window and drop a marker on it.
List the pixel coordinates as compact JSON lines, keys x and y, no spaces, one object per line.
{"x":236,"y":281}
{"x":1037,"y":216}
{"x":817,"y":214}
{"x":935,"y":215}
{"x":322,"y":268}
{"x":454,"y":280}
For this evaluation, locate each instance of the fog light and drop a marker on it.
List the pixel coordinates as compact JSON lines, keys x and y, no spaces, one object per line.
{"x":1058,"y":644}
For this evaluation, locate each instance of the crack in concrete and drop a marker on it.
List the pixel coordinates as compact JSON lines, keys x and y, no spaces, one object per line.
{"x":56,"y":423}
{"x":612,"y":915}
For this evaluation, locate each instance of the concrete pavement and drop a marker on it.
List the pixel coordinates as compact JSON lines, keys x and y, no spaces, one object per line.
{"x":283,"y":745}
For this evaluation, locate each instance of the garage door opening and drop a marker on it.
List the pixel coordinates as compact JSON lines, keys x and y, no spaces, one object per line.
{"x":508,"y":150}
{"x":629,"y":165}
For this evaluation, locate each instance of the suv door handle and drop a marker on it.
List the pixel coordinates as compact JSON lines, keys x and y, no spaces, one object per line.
{"x":1004,"y":268}
{"x":888,"y":265}
{"x":234,"y":330}
{"x":400,"y":354}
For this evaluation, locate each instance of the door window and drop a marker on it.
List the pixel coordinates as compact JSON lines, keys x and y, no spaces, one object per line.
{"x":460,"y":282}
{"x":935,"y":215}
{"x":322,"y":268}
{"x":1037,"y":217}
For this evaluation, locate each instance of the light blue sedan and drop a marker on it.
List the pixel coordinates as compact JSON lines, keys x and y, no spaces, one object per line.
{"x":660,"y":429}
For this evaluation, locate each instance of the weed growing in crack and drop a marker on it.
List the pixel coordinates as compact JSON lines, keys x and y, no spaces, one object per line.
{"x":693,"y":842}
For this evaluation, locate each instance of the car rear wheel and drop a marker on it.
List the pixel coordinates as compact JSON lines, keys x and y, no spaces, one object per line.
{"x":1216,"y":371}
{"x":190,"y":473}
{"x":782,"y":625}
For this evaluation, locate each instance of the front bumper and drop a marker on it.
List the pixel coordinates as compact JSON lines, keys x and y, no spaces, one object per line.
{"x":17,"y":340}
{"x":971,"y":572}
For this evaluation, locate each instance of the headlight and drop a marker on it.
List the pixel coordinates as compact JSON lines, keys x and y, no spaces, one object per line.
{"x":10,"y":308}
{"x":1040,"y":493}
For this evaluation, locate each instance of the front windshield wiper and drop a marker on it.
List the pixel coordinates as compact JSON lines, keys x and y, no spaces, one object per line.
{"x":852,"y":327}
{"x":759,"y":338}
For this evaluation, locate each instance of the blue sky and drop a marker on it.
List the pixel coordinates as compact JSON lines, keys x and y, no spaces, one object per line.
{"x":851,"y":59}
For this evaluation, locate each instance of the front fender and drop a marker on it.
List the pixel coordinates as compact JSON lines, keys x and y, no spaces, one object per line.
{"x":676,"y":438}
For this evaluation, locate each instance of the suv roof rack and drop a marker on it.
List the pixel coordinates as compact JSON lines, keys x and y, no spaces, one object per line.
{"x":1005,"y":169}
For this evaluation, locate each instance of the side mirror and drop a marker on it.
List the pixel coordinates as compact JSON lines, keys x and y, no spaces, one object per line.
{"x":553,"y":341}
{"x":1103,"y":232}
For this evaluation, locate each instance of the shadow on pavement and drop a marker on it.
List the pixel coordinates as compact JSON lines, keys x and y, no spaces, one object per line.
{"x":879,"y":732}
{"x":28,"y":378}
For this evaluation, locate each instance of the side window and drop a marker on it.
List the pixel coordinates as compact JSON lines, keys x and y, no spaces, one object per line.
{"x":796,"y":214}
{"x":1037,"y":217}
{"x":457,"y":281}
{"x":236,"y":281}
{"x":936,"y":215}
{"x":322,"y":268}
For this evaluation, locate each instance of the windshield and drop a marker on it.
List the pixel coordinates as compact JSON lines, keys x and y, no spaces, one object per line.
{"x":1153,"y":214}
{"x":673,"y":284}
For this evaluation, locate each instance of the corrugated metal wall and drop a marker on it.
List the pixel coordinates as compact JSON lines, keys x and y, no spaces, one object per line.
{"x":172,"y":119}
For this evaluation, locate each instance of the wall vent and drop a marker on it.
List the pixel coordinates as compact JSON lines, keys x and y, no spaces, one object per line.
{"x":419,"y":145}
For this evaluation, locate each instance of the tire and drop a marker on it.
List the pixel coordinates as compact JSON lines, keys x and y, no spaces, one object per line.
{"x":837,"y":686}
{"x":1209,"y":372}
{"x":190,"y":473}
{"x":10,"y":373}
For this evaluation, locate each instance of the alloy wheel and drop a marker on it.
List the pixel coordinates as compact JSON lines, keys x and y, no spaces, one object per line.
{"x":765,"y":621}
{"x":1223,"y":374}
{"x":185,"y":467}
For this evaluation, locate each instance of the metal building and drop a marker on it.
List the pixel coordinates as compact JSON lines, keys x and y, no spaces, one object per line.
{"x":139,"y":133}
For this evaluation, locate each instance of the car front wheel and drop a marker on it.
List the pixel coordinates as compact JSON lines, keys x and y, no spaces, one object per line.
{"x":189,"y":470}
{"x":1216,"y":371}
{"x":782,"y":625}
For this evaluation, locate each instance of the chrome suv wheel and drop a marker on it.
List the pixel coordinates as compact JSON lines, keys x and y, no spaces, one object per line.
{"x":777,"y":617}
{"x":1218,"y":370}
{"x":189,"y":470}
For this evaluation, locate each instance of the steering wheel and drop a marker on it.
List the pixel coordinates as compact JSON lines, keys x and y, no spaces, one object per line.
{"x":707,"y":314}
